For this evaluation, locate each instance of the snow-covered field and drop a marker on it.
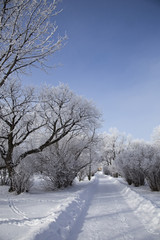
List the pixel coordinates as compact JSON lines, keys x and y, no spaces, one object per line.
{"x":103,"y":209}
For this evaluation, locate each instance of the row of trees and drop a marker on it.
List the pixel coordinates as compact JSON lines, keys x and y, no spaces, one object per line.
{"x":135,"y":160}
{"x":48,"y":130}
{"x":140,"y":162}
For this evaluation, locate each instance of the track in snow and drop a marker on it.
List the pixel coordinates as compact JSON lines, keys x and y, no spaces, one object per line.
{"x":109,"y":217}
{"x":15,"y":209}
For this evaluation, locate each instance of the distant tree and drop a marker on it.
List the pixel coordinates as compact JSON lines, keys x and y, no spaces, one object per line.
{"x":113,"y":143}
{"x":156,"y":136}
{"x":138,"y":162}
{"x":27,"y":34}
{"x":94,"y":162}
{"x":130,"y":162}
{"x":151,"y":166}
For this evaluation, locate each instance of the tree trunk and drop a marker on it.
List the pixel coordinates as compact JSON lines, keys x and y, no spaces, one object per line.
{"x":11,"y":178}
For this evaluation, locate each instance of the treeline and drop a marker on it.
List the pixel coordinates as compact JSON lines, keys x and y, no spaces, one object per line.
{"x":135,"y":160}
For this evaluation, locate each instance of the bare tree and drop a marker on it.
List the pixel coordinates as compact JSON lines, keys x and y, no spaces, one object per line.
{"x":27,"y":34}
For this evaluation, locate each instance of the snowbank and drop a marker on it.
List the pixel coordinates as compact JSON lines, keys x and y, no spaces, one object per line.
{"x":146,"y":211}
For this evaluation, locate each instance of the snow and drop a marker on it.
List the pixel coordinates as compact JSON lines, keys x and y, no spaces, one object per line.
{"x":103,"y":209}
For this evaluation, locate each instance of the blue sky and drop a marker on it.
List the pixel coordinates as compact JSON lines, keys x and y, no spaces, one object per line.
{"x":112,"y":56}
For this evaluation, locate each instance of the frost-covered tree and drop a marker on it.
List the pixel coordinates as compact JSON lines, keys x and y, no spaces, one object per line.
{"x":29,"y":126}
{"x":94,"y":158}
{"x":28,"y":34}
{"x":61,"y":162}
{"x":64,"y":112}
{"x":130,"y":163}
{"x":151,"y":166}
{"x":91,"y":156}
{"x":156,"y":136}
{"x":18,"y":120}
{"x":4,"y":178}
{"x":140,"y":162}
{"x":113,"y":143}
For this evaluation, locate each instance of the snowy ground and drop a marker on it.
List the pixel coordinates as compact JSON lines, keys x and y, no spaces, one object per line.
{"x":103,"y":209}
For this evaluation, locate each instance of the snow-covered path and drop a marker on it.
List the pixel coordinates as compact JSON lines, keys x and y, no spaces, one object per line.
{"x":109,"y":217}
{"x":102,"y":209}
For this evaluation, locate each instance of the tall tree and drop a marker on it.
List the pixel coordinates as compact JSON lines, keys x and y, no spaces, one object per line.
{"x":56,"y":113}
{"x":18,"y":120}
{"x":27,"y":34}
